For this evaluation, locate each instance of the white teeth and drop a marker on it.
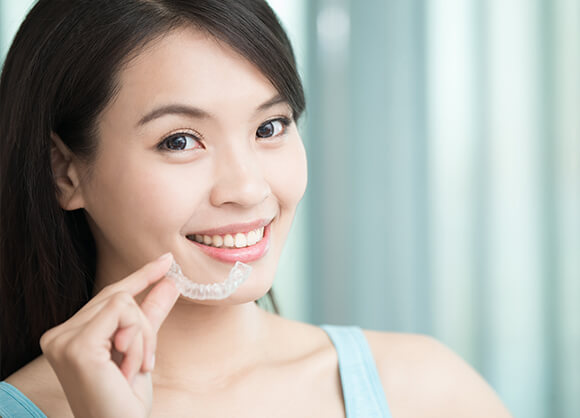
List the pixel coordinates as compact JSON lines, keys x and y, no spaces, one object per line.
{"x":218,"y":241}
{"x":229,"y":241}
{"x":252,"y":237}
{"x":239,"y":240}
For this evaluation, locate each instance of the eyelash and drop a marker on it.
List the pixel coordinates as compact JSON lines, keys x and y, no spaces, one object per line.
{"x":163,"y":144}
{"x":284,"y":121}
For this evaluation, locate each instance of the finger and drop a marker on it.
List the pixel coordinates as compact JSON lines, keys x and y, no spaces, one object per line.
{"x":149,"y":347}
{"x":120,"y":311}
{"x":133,"y":284}
{"x":158,"y":303}
{"x":80,"y":319}
{"x":155,"y":307}
{"x":127,"y":336}
{"x":141,"y":279}
{"x":133,"y":358}
{"x":123,"y":338}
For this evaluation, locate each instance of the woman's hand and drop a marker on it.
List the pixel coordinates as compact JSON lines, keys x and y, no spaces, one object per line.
{"x":104,"y":354}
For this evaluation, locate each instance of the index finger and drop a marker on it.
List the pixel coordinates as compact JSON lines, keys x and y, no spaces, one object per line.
{"x":150,"y":273}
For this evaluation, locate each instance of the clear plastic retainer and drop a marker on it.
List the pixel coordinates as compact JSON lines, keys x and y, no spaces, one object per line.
{"x":214,"y":291}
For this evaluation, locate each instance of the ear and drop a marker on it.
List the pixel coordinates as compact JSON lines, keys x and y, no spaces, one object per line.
{"x":65,"y":169}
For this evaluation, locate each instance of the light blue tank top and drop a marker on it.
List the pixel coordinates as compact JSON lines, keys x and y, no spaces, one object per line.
{"x":13,"y":404}
{"x":361,"y":387}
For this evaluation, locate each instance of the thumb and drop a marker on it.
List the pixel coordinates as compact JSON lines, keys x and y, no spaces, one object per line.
{"x":159,"y":302}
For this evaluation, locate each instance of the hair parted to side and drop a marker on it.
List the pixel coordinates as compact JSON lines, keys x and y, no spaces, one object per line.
{"x":59,"y":74}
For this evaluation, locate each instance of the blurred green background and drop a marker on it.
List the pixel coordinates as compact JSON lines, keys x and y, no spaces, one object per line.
{"x":444,"y":181}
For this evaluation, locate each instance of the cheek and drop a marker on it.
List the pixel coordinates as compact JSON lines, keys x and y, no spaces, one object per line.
{"x":286,"y":172}
{"x":139,"y":200}
{"x":167,"y":195}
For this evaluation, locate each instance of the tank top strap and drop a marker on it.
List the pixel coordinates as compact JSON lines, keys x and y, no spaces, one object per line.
{"x":13,"y":403}
{"x":361,"y":386}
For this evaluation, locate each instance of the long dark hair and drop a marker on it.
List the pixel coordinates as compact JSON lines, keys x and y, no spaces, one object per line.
{"x":59,"y":74}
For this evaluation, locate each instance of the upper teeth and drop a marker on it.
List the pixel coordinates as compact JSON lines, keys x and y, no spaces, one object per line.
{"x":238,"y":240}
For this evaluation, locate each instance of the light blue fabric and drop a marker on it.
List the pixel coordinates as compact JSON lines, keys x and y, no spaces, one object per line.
{"x":13,"y":404}
{"x":362,"y":389}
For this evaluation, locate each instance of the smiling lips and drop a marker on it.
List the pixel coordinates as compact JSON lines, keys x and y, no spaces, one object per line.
{"x":240,"y":246}
{"x":239,"y":240}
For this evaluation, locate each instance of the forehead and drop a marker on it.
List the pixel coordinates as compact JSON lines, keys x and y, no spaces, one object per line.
{"x":190,"y":66}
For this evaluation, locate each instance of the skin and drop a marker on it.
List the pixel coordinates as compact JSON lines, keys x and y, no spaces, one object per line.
{"x":221,"y":358}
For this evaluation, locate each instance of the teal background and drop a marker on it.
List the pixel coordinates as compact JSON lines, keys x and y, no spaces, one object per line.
{"x":443,"y":140}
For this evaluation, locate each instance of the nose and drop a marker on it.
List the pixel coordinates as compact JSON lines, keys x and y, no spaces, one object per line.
{"x":239,"y":180}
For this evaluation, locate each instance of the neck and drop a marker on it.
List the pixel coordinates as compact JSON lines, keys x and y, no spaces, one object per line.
{"x":201,"y":343}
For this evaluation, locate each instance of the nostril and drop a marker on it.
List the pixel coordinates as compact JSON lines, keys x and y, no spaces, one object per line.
{"x":244,"y":190}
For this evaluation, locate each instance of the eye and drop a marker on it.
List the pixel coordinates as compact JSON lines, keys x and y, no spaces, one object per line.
{"x":272,"y":128}
{"x":180,"y":142}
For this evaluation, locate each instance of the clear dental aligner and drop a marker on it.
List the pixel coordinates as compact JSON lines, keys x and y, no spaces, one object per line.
{"x":214,"y":291}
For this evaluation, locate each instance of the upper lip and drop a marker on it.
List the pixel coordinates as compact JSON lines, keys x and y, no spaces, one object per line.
{"x":243,"y":228}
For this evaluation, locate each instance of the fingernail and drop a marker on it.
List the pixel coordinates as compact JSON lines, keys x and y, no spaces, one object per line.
{"x":165,"y":256}
{"x":152,"y":362}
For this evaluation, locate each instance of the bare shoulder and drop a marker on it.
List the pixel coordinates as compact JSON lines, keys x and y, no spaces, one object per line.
{"x":424,"y":378}
{"x":38,"y":383}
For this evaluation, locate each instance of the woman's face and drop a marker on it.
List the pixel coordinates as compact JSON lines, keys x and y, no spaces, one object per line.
{"x":197,"y":146}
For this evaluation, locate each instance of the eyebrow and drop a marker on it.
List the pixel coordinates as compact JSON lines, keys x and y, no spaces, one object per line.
{"x":197,"y":113}
{"x":271,"y":103}
{"x":173,"y":109}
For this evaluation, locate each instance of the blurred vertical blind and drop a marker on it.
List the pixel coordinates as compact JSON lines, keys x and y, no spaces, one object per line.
{"x":11,"y":14}
{"x":444,"y":156}
{"x":444,"y":146}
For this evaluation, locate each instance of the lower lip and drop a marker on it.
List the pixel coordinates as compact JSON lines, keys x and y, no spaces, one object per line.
{"x":245,"y":255}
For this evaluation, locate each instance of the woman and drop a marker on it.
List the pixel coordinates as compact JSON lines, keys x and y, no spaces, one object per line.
{"x":140,"y":130}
